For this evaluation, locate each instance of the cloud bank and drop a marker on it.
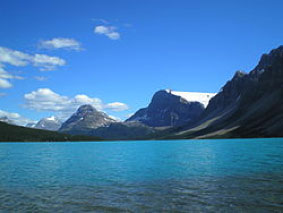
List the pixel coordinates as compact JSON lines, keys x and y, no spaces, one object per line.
{"x":20,"y":59}
{"x":16,"y":118}
{"x":116,"y":106}
{"x":44,"y":99}
{"x":5,"y":77}
{"x":17,"y":58}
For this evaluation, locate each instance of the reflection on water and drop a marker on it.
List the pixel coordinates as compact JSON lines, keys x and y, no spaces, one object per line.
{"x":181,"y":176}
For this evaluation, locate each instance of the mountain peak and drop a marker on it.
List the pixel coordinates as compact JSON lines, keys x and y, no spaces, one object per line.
{"x":85,"y":118}
{"x":171,"y":108}
{"x":267,"y":60}
{"x":86,"y":107}
{"x":239,"y":74}
{"x":51,"y":123}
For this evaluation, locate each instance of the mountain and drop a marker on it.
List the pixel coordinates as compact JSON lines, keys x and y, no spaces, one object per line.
{"x":202,"y":98}
{"x":5,"y":119}
{"x":88,"y":121}
{"x":85,"y":120}
{"x":31,"y":124}
{"x":249,"y":105}
{"x":169,"y":108}
{"x":50,"y":123}
{"x":124,"y":131}
{"x":12,"y":133}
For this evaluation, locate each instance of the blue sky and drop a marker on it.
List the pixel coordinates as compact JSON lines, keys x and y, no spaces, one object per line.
{"x":52,"y":55}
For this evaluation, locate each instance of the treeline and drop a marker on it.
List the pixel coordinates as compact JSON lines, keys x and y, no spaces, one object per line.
{"x":11,"y":133}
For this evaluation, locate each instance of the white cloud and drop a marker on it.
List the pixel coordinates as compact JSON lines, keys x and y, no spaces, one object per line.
{"x":5,"y":84}
{"x":79,"y":100}
{"x":47,"y":63}
{"x":117,"y":106}
{"x":113,"y":35}
{"x":44,"y":99}
{"x":61,"y":43}
{"x":4,"y":76}
{"x":13,"y":57}
{"x":10,"y":115}
{"x":108,"y":31}
{"x":15,"y":118}
{"x":17,"y":58}
{"x":102,"y":29}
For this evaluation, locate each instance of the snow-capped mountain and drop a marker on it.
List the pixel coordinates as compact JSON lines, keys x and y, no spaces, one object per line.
{"x":248,"y":105}
{"x":88,"y":121}
{"x":202,"y":98}
{"x":86,"y":118}
{"x":172,"y":108}
{"x":51,"y":123}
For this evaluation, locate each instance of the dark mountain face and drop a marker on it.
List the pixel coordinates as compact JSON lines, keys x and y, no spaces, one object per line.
{"x":52,"y":124}
{"x":229,"y":94}
{"x":124,"y":131}
{"x":249,"y":105}
{"x":167,"y":109}
{"x":10,"y":132}
{"x":85,"y":119}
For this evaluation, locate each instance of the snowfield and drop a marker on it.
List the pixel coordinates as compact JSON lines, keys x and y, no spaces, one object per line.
{"x":194,"y":96}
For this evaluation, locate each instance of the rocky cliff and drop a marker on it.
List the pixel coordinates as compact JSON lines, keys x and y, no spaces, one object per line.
{"x":169,"y":109}
{"x":249,"y":105}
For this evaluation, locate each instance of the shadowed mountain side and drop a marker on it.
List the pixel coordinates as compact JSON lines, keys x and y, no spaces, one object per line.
{"x":88,"y":121}
{"x":125,"y":131}
{"x":249,"y":105}
{"x":167,"y":109}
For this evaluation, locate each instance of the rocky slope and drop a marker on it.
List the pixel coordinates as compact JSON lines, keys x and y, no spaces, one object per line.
{"x":168,"y":108}
{"x":85,"y":120}
{"x":165,"y":110}
{"x":249,"y":105}
{"x":51,"y":123}
{"x":88,"y":121}
{"x":125,"y":131}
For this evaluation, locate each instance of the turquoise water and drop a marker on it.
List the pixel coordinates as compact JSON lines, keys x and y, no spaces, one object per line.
{"x":142,"y":176}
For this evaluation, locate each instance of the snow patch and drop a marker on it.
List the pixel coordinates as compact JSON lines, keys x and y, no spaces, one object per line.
{"x":52,"y":118}
{"x":194,"y":96}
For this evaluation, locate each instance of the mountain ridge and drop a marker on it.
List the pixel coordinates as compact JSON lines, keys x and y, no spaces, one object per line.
{"x":50,"y":123}
{"x":247,"y":106}
{"x":168,"y":108}
{"x":86,"y":118}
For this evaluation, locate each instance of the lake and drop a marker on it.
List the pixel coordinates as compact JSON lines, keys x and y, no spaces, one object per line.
{"x":143,"y":176}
